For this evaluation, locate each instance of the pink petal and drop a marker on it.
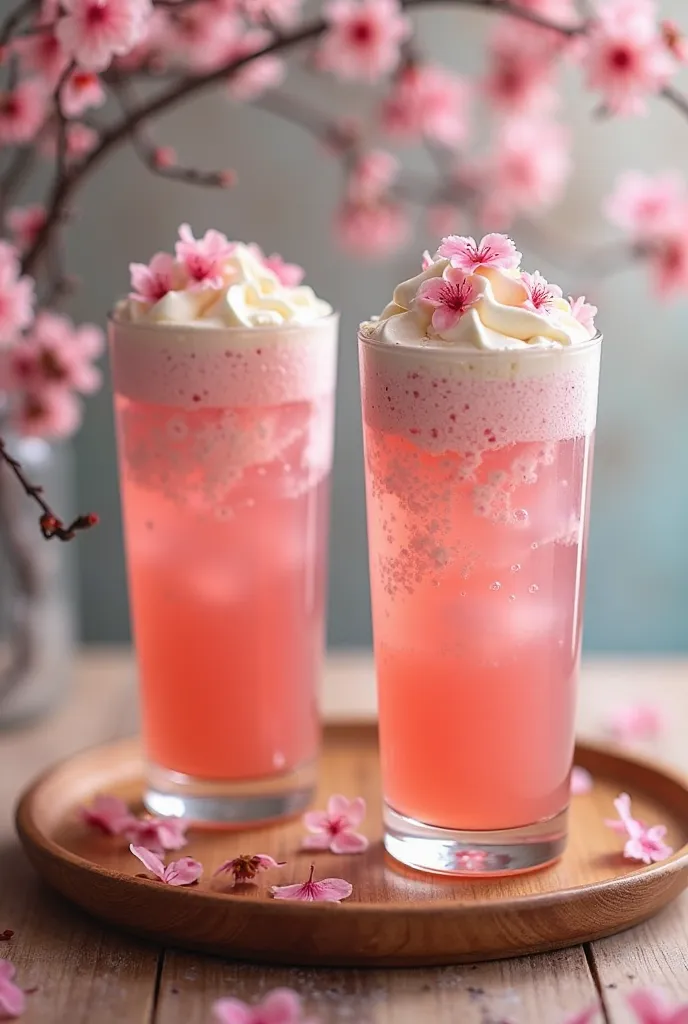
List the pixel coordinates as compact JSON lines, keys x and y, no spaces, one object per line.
{"x":108,"y":813}
{"x":337,"y":806}
{"x":183,"y":872}
{"x":282,"y":1006}
{"x":316,"y":821}
{"x":584,"y":1017}
{"x":356,"y":812}
{"x":12,"y":999}
{"x":299,"y":891}
{"x":503,"y":250}
{"x":615,"y":825}
{"x":232,"y":1011}
{"x":458,"y":249}
{"x":149,"y":860}
{"x":443,"y":319}
{"x":319,"y":842}
{"x":432,"y":291}
{"x":349,"y":842}
{"x":581,"y":781}
{"x":332,"y":890}
{"x":266,"y":861}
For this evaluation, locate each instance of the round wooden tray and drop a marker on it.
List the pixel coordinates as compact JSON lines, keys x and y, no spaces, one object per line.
{"x":395,"y":916}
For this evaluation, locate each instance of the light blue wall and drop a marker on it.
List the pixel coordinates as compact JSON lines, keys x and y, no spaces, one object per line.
{"x":638,"y":577}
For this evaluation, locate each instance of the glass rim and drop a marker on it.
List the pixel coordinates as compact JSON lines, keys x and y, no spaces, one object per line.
{"x":162,"y":328}
{"x":447,"y":350}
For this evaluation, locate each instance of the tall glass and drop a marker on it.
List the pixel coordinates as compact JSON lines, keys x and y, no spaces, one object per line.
{"x":225,"y":449}
{"x":478,"y":475}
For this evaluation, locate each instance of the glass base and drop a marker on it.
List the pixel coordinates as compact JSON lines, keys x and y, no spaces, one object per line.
{"x":475,"y":854}
{"x":228,"y":804}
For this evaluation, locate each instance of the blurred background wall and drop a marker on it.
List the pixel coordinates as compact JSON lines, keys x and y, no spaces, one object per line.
{"x":638,"y":574}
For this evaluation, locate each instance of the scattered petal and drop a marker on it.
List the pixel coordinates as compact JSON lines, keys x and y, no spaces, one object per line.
{"x":651,"y":1006}
{"x":109,"y":814}
{"x":636,"y":722}
{"x":158,"y":834}
{"x":179,"y":872}
{"x":12,"y":998}
{"x":334,"y":829}
{"x":581,"y":781}
{"x":281,"y":1006}
{"x":328,"y":890}
{"x":246,"y":866}
{"x":643,"y":843}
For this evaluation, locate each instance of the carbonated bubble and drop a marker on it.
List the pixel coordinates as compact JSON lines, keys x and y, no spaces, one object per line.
{"x":533,"y":588}
{"x":515,"y":568}
{"x":495,"y":586}
{"x":520,"y":515}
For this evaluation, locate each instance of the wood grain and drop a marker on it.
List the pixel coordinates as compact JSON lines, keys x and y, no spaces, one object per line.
{"x":94,"y":974}
{"x":548,"y":989}
{"x":396,"y":917}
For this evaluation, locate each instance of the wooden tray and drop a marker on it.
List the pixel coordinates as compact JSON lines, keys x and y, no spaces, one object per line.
{"x":395,"y":917}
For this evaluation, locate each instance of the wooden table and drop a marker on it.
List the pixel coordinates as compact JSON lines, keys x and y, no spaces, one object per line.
{"x":84,"y":974}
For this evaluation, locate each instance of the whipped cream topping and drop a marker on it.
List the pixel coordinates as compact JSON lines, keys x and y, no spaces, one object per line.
{"x":468,"y":303}
{"x":245,"y":292}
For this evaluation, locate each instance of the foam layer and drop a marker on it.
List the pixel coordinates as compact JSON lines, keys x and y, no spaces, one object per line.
{"x":469,"y":404}
{"x":223,"y":367}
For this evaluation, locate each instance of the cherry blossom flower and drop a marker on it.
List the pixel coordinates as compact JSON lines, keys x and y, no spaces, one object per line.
{"x":151,"y":282}
{"x":12,"y":998}
{"x":81,"y":139}
{"x":527,"y":169}
{"x":281,"y":1006}
{"x":276,"y":12}
{"x":335,"y":828}
{"x":675,"y":41}
{"x":178,"y":872}
{"x":428,"y":101}
{"x":158,"y":834}
{"x":536,"y":38}
{"x":48,"y":412}
{"x":363,"y":38}
{"x":643,"y":843}
{"x":56,"y":354}
{"x":521,"y":78}
{"x":626,"y":58}
{"x":636,"y":722}
{"x":203,"y":258}
{"x":22,"y":111}
{"x":541,"y":294}
{"x":93,"y":31}
{"x":451,"y":295}
{"x":581,"y":781}
{"x":25,"y":222}
{"x":371,"y":229}
{"x":108,"y":814}
{"x":327,"y":890}
{"x":644,"y":204}
{"x":245,"y":867}
{"x":201,"y":37}
{"x":16,"y":296}
{"x":584,"y":312}
{"x":83,"y":89}
{"x":251,"y":80}
{"x":42,"y":53}
{"x":288,"y":274}
{"x":667,"y":258}
{"x":651,"y":1006}
{"x":371,"y":176}
{"x":468,"y":255}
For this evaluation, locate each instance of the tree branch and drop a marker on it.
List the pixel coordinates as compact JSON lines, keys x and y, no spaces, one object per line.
{"x":51,"y":525}
{"x":676,"y":99}
{"x":192,"y":86}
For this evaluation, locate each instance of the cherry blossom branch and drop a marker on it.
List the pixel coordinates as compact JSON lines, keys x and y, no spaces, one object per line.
{"x":50,"y":523}
{"x":676,"y":99}
{"x":193,"y":86}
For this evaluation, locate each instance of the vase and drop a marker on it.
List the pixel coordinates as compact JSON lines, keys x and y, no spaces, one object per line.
{"x":37,"y":607}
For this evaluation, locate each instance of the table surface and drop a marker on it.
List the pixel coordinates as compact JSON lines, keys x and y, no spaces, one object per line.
{"x":83,"y":973}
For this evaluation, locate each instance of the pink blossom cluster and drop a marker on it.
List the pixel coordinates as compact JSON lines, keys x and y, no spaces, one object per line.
{"x":652,"y":210}
{"x":199,"y":264}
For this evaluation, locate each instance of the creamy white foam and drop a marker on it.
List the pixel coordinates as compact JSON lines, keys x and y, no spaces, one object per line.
{"x":251,"y":296}
{"x":505,"y":311}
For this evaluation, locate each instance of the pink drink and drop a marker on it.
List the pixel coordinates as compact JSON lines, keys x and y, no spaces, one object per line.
{"x":478,"y":475}
{"x":225,"y":442}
